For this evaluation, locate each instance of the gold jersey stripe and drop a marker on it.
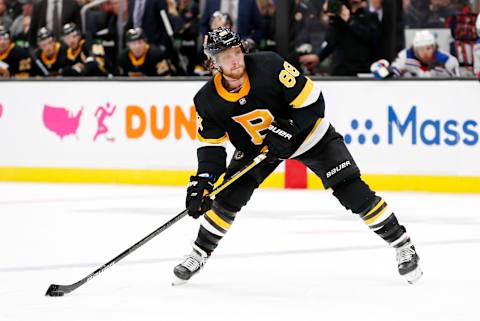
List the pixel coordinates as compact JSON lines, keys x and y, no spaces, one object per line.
{"x":218,"y":220}
{"x":373,"y":219}
{"x":6,"y":53}
{"x":304,"y":94}
{"x":375,"y":208}
{"x":317,"y":123}
{"x":212,"y":140}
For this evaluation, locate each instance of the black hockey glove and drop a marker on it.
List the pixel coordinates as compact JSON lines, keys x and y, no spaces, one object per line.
{"x":280,"y":138}
{"x":197,"y":202}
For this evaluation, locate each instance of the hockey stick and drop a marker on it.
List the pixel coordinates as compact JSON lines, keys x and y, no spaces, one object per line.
{"x":60,"y":290}
{"x":37,"y":61}
{"x":169,"y":29}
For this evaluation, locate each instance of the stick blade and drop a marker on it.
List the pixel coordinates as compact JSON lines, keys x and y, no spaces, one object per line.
{"x":55,"y":290}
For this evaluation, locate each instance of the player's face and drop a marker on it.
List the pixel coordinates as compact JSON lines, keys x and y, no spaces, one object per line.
{"x":425,"y":54}
{"x":72,"y":40}
{"x":137,"y":47}
{"x":4,"y":43}
{"x":232,"y":62}
{"x":47,"y":46}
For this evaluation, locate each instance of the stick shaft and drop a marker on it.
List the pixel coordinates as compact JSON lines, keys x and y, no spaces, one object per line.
{"x":179,"y":216}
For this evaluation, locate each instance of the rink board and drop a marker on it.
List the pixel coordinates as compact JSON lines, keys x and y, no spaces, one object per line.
{"x":404,"y":135}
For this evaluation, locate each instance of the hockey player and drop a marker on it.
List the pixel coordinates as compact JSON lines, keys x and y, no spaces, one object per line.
{"x":14,"y":61}
{"x":423,"y":60}
{"x":78,"y":60}
{"x":476,"y":51}
{"x":260,"y":100}
{"x":141,"y":59}
{"x":49,"y":53}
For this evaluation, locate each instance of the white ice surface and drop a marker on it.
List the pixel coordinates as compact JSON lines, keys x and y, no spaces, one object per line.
{"x":291,"y":255}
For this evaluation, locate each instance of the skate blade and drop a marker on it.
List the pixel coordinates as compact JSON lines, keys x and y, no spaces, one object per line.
{"x":177,"y":281}
{"x":414,"y":276}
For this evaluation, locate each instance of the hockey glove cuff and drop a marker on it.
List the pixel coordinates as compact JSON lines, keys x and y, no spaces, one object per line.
{"x":280,"y":138}
{"x":382,"y":70}
{"x":197,"y":201}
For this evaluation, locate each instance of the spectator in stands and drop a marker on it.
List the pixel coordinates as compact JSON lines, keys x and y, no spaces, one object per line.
{"x":427,"y":14}
{"x":416,"y":13}
{"x":78,"y":59}
{"x":423,"y":60}
{"x":5,"y":18}
{"x":14,"y":61}
{"x":462,"y":27}
{"x":350,"y":39}
{"x":20,"y":28}
{"x":186,"y":14}
{"x":220,"y":19}
{"x":376,"y":6}
{"x":476,"y":50}
{"x":267,"y":11}
{"x":48,"y":55}
{"x":143,"y":59}
{"x":102,"y":29}
{"x":14,"y":8}
{"x":391,"y":26}
{"x":53,"y":14}
{"x":145,"y":14}
{"x":245,"y":16}
{"x":439,"y":12}
{"x":306,"y":29}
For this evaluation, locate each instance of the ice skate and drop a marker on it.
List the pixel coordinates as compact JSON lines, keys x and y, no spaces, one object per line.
{"x":190,"y":266}
{"x":407,"y":259}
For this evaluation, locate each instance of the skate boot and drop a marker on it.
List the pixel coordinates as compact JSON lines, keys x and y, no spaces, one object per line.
{"x":407,"y":259}
{"x":190,"y":266}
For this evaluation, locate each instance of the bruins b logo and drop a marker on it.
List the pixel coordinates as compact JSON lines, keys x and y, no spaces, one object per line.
{"x":254,"y":122}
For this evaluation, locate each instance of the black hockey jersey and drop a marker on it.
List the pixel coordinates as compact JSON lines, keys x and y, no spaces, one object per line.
{"x":272,"y":88}
{"x":84,"y":62}
{"x":53,"y":65}
{"x":18,"y":61}
{"x":154,"y":62}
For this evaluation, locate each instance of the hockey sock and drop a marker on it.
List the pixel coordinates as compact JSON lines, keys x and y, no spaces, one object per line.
{"x":354,"y":194}
{"x":380,"y":219}
{"x":214,"y":225}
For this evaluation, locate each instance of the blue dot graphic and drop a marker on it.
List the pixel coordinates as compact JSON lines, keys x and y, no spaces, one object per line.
{"x":368,"y":124}
{"x":376,"y":139}
{"x":348,"y":139}
{"x":361,"y":139}
{"x":354,"y":124}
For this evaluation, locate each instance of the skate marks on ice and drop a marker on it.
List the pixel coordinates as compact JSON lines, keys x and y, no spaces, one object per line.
{"x":292,"y":252}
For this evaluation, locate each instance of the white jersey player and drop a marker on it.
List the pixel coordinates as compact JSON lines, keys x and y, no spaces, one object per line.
{"x":423,"y":60}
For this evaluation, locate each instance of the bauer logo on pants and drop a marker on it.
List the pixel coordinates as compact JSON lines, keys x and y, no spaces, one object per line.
{"x":337,"y":169}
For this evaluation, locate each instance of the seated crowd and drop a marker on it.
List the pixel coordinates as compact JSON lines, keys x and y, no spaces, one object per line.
{"x":137,"y":38}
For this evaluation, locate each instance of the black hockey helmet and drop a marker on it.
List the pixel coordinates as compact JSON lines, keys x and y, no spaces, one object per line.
{"x":4,"y":32}
{"x":134,"y":34}
{"x":43,"y":34}
{"x":220,"y":39}
{"x":69,"y":28}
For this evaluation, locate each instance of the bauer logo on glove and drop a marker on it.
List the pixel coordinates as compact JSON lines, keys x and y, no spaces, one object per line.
{"x":280,"y":138}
